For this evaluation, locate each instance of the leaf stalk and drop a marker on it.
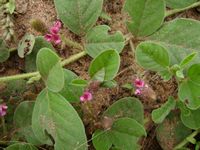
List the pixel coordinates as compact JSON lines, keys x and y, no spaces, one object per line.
{"x":174,"y":11}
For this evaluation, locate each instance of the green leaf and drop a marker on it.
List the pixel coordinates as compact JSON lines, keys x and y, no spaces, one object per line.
{"x":171,"y":132}
{"x":121,"y":135}
{"x":146,"y":16}
{"x":54,"y":117}
{"x":191,"y":120}
{"x":152,"y":56}
{"x":109,"y":84}
{"x":128,"y":86}
{"x":129,"y":126}
{"x":179,"y":3}
{"x":21,"y":146}
{"x":158,"y":115}
{"x":55,"y":80}
{"x":105,"y":16}
{"x":30,"y":60}
{"x":48,"y":64}
{"x":179,"y":74}
{"x":181,"y":38}
{"x":79,"y":15}
{"x":124,"y":141}
{"x":22,"y":119}
{"x":101,"y":140}
{"x":105,"y":66}
{"x":194,"y":73}
{"x":79,"y":82}
{"x":4,"y":51}
{"x":25,"y":45}
{"x":71,"y":92}
{"x":189,"y":92}
{"x":98,"y":40}
{"x":166,"y":75}
{"x":126,"y":107}
{"x":11,"y":6}
{"x":188,"y":59}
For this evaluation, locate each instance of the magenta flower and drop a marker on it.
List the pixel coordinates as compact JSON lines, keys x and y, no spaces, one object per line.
{"x":3,"y":109}
{"x":139,"y":83}
{"x":48,"y":37}
{"x":53,"y":36}
{"x":138,"y":91}
{"x":140,"y":86}
{"x":54,"y":30}
{"x":87,"y":96}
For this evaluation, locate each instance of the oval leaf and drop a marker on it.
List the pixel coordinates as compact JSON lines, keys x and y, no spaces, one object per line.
{"x":22,"y":119}
{"x":21,"y":146}
{"x":71,"y":92}
{"x":191,"y":119}
{"x":25,"y":46}
{"x":126,"y":107}
{"x":147,"y":16}
{"x":189,"y":92}
{"x":79,"y":15}
{"x":105,"y":66}
{"x":98,"y":40}
{"x":152,"y":56}
{"x":55,"y":80}
{"x":179,"y":3}
{"x":181,"y":38}
{"x":171,"y":132}
{"x":30,"y":60}
{"x":161,"y":113}
{"x":54,"y":117}
{"x":48,"y":64}
{"x":101,"y":140}
{"x":194,"y":73}
{"x":129,"y":126}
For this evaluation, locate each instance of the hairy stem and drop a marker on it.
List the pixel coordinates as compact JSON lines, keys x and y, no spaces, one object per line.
{"x":20,"y":76}
{"x":34,"y":74}
{"x":174,"y":11}
{"x":71,"y":43}
{"x":12,"y":49}
{"x":73,"y":58}
{"x":185,"y":141}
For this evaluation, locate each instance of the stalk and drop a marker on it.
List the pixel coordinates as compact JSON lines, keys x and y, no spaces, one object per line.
{"x":174,"y":11}
{"x":185,"y":141}
{"x":34,"y":74}
{"x":71,"y":43}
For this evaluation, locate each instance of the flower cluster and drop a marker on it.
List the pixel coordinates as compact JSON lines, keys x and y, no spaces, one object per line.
{"x":53,"y":36}
{"x":140,"y":86}
{"x":3,"y":109}
{"x":87,"y":96}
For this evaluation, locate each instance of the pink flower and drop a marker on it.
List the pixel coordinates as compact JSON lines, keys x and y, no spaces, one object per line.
{"x":139,"y":83}
{"x":54,"y":30}
{"x":58,"y":24}
{"x":56,"y":38}
{"x":48,"y":37}
{"x":87,"y":96}
{"x":138,"y":92}
{"x":3,"y":108}
{"x":53,"y":36}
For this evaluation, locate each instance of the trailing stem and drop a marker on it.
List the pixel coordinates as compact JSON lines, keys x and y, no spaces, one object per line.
{"x":186,"y":141}
{"x":174,"y":11}
{"x":34,"y":74}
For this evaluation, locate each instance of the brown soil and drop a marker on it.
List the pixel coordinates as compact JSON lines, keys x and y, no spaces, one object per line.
{"x":44,"y":10}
